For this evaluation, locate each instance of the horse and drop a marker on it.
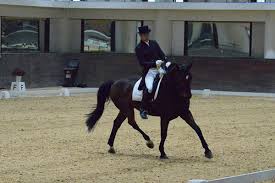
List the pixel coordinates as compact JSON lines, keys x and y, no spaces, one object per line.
{"x":173,"y":101}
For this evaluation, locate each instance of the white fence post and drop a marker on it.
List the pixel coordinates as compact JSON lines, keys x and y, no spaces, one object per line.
{"x":65,"y":92}
{"x":5,"y":95}
{"x":206,"y":93}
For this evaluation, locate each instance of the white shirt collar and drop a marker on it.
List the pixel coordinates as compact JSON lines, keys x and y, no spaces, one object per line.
{"x":147,"y":42}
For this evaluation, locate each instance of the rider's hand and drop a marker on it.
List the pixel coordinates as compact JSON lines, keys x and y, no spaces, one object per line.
{"x":159,"y":62}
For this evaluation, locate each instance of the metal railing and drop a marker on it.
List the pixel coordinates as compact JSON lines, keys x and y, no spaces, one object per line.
{"x":195,"y":1}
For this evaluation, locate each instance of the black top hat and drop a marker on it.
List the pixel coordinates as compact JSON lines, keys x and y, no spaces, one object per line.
{"x":144,"y":30}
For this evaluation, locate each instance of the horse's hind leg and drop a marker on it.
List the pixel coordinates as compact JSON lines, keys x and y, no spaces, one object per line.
{"x":117,"y":123}
{"x":188,"y":117}
{"x":132,"y":122}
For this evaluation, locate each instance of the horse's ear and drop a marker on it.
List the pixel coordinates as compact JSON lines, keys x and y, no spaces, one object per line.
{"x":189,"y":66}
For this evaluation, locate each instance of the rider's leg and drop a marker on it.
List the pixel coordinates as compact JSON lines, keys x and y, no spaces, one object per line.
{"x":142,"y":82}
{"x":149,"y":79}
{"x":146,"y":94}
{"x":144,"y":104}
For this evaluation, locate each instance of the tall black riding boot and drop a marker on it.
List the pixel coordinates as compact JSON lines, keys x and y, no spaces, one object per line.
{"x":144,"y":104}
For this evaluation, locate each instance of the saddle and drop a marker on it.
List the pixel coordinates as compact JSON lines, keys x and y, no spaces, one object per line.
{"x":137,"y":93}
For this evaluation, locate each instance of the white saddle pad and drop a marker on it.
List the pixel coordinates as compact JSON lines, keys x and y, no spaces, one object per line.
{"x":137,"y":94}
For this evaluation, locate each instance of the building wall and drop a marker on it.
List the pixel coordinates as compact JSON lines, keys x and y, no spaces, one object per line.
{"x":167,"y":23}
{"x":43,"y":70}
{"x":65,"y":19}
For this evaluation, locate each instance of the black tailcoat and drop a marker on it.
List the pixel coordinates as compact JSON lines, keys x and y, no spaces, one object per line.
{"x":147,"y":56}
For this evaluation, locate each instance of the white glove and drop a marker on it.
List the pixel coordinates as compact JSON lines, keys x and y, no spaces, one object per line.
{"x":168,"y":64}
{"x":159,"y":62}
{"x":160,"y":70}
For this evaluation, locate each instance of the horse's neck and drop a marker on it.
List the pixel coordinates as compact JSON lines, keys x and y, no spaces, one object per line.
{"x":167,"y":90}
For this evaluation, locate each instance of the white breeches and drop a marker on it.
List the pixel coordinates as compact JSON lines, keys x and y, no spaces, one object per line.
{"x":149,"y":79}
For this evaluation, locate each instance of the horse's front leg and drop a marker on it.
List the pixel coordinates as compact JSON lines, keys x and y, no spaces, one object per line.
{"x":132,"y":122}
{"x":164,"y":128}
{"x":188,"y":117}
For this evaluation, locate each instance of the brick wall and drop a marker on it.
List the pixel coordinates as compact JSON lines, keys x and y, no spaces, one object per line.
{"x":41,"y":69}
{"x":46,"y":69}
{"x":234,"y":74}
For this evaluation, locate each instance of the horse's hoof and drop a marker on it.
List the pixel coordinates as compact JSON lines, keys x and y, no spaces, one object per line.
{"x":163,"y":157}
{"x":208,"y":154}
{"x":150,"y":144}
{"x":112,"y":150}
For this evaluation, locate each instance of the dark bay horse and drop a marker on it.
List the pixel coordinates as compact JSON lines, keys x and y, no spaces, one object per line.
{"x":173,"y":101}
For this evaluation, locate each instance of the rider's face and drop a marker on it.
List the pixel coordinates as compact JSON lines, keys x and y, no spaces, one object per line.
{"x":144,"y":37}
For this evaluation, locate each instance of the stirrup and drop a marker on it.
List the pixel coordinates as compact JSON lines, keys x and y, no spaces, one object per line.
{"x":143,"y":114}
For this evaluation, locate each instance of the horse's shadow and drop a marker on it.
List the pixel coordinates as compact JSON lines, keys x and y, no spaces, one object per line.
{"x":172,"y":159}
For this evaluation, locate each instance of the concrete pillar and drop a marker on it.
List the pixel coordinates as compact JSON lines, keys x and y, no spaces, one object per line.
{"x":258,"y":39}
{"x":131,"y":36}
{"x":269,"y":52}
{"x":137,"y":35}
{"x":119,"y":36}
{"x":163,"y":33}
{"x":0,"y":34}
{"x":65,"y":35}
{"x":178,"y":38}
{"x":41,"y":35}
{"x":126,"y":39}
{"x":75,"y":36}
{"x":151,"y":25}
{"x":126,"y":36}
{"x":60,"y":32}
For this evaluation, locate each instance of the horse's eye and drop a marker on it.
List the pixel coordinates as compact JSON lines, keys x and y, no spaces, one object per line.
{"x":187,"y":77}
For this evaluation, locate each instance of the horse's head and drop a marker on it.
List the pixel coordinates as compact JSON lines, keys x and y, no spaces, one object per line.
{"x":182,"y":78}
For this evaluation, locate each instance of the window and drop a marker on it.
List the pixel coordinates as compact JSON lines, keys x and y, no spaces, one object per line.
{"x":111,"y":36}
{"x":19,"y":35}
{"x":98,"y":35}
{"x":218,"y":39}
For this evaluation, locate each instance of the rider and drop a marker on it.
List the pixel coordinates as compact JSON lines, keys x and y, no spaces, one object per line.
{"x":150,"y":56}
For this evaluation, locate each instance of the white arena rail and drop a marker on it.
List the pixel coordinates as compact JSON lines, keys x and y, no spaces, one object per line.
{"x":208,"y":92}
{"x":255,"y":177}
{"x":59,"y":91}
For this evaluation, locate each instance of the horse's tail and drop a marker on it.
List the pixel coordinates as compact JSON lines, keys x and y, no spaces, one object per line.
{"x":102,"y":96}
